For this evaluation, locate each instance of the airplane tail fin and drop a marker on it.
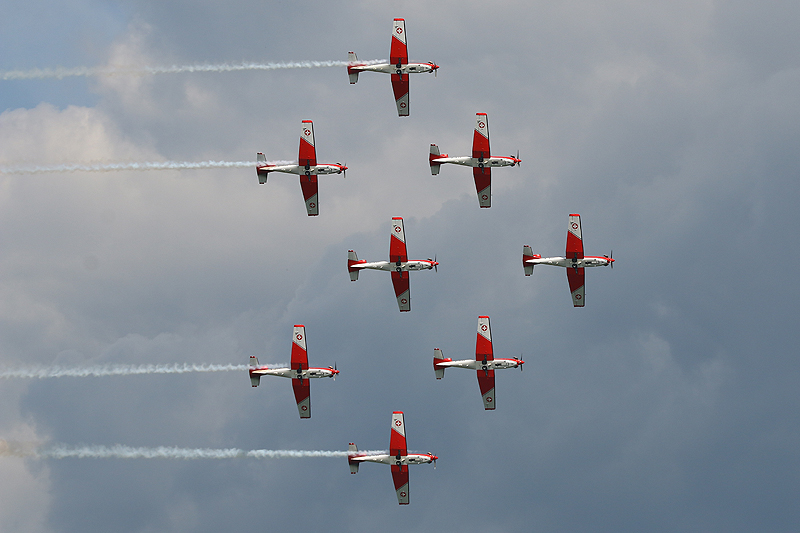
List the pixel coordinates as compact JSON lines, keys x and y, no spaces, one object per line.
{"x":352,"y":259}
{"x":438,"y":357}
{"x":254,"y":379}
{"x":353,"y":74}
{"x":352,"y":448}
{"x":527,"y":253}
{"x":434,"y":154}
{"x":262,"y":174}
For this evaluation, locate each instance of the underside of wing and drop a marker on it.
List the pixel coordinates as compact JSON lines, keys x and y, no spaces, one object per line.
{"x":483,"y":184}
{"x":398,"y":53}
{"x":480,"y":139}
{"x":400,"y":478}
{"x":310,"y":186}
{"x":397,"y":440}
{"x":486,"y":383}
{"x":308,"y":153}
{"x":402,"y":290}
{"x":400,"y":87}
{"x":575,"y":277}
{"x":397,"y":242}
{"x":574,"y":238}
{"x":299,"y":351}
{"x":302,"y":395}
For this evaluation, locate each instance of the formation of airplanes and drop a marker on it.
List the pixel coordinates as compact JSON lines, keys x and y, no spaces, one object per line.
{"x":574,"y":261}
{"x":398,"y":66}
{"x":398,"y":264}
{"x":398,"y":457}
{"x":482,"y":161}
{"x":484,"y":363}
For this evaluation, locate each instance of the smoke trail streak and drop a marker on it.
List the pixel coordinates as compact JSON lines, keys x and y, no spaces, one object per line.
{"x":118,"y":451}
{"x":116,"y":370}
{"x":61,"y":72}
{"x":152,"y":165}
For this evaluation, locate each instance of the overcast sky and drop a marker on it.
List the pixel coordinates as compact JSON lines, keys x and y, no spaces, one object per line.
{"x":668,"y":403}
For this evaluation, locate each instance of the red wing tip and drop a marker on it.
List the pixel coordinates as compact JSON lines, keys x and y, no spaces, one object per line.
{"x":574,"y":215}
{"x":397,"y":218}
{"x":484,"y":114}
{"x":397,"y":412}
{"x":482,"y":316}
{"x":401,"y":19}
{"x":299,"y":326}
{"x":308,"y":122}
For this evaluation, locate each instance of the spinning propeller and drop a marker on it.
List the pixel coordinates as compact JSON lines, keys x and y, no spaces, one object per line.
{"x":610,"y":259}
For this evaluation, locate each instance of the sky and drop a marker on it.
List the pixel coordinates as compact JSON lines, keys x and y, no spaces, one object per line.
{"x":668,"y":403}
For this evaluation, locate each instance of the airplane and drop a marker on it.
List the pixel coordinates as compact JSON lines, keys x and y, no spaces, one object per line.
{"x":398,"y":67}
{"x":398,"y":264}
{"x":306,"y":167}
{"x":481,"y":160}
{"x":485,"y":363}
{"x":574,"y":261}
{"x":299,"y":372}
{"x":398,"y":457}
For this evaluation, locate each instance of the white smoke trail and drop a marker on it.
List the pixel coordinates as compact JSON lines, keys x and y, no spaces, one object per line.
{"x":42,"y":372}
{"x":61,"y":72}
{"x":152,"y":165}
{"x":118,"y":451}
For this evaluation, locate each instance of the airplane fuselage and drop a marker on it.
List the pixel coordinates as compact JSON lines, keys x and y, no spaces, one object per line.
{"x":315,"y":170}
{"x":387,"y":68}
{"x":410,"y":459}
{"x":295,"y":374}
{"x":403,"y":266}
{"x":472,"y":364}
{"x":491,"y":162}
{"x":587,"y":261}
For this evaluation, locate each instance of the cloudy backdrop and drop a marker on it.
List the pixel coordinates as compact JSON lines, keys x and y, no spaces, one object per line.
{"x":668,"y":403}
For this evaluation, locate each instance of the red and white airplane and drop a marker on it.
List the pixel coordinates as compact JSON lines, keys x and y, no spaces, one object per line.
{"x":574,"y":261}
{"x":398,"y":264}
{"x":398,"y":457}
{"x":481,"y":160}
{"x":485,"y":363}
{"x":306,"y":167}
{"x":299,"y":372}
{"x":398,"y":66}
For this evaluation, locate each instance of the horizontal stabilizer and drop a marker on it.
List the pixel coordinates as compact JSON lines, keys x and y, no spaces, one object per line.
{"x":527,"y":253}
{"x":352,"y":448}
{"x":352,"y":259}
{"x":353,"y":74}
{"x":254,"y":379}
{"x":434,"y":154}
{"x":438,"y":357}
{"x":262,"y":174}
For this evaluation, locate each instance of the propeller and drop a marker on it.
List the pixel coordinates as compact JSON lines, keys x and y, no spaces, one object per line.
{"x":434,"y":68}
{"x":343,"y":169}
{"x":335,"y":371}
{"x":434,"y":459}
{"x":610,"y":258}
{"x":435,"y":263}
{"x":520,"y":362}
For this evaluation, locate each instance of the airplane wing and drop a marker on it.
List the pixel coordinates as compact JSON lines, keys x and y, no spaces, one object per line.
{"x":574,"y":239}
{"x":484,"y":352}
{"x":399,"y":50}
{"x":397,"y":242}
{"x":480,"y":139}
{"x":310,"y":187}
{"x":575,"y":277}
{"x":308,"y":153}
{"x":308,"y":158}
{"x":400,"y":88}
{"x":302,"y":388}
{"x":402,"y":290}
{"x":398,"y":448}
{"x":483,"y":184}
{"x":480,"y":149}
{"x":398,"y":55}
